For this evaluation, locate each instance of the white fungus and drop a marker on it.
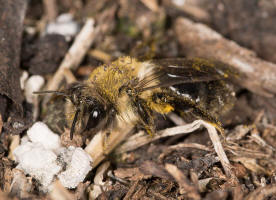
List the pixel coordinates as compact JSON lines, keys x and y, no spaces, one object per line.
{"x":38,"y":162}
{"x":77,"y":169}
{"x":34,"y":83}
{"x":64,"y":25}
{"x":41,"y":156}
{"x":40,"y":133}
{"x":23,"y":79}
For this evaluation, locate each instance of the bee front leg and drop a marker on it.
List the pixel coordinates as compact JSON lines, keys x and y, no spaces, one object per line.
{"x":105,"y":136}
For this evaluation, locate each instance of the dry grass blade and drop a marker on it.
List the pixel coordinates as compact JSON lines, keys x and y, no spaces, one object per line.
{"x":141,"y":138}
{"x":219,"y":149}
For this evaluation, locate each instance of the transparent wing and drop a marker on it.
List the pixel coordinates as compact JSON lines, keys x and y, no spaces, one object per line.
{"x":174,"y":71}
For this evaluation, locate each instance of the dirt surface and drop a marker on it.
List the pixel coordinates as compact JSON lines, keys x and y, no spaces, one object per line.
{"x":183,"y":166}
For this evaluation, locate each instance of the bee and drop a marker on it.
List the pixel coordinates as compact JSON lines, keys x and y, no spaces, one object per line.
{"x":132,"y":91}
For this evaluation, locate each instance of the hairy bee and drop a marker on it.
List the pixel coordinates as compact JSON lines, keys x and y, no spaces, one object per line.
{"x":132,"y":91}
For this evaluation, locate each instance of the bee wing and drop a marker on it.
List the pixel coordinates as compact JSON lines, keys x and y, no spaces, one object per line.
{"x":174,"y":71}
{"x":199,"y":79}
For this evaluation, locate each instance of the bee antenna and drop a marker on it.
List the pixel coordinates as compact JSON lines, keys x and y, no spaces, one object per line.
{"x":49,"y":92}
{"x":74,"y":124}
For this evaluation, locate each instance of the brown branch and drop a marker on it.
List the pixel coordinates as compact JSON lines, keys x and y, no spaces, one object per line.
{"x":198,"y":40}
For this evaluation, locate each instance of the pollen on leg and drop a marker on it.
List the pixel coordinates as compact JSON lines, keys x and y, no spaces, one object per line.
{"x":149,"y":131}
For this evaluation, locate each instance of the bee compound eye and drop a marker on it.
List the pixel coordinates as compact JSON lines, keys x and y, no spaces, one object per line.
{"x":94,"y":119}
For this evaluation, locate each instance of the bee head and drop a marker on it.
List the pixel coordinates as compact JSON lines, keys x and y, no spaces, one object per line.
{"x":90,"y":109}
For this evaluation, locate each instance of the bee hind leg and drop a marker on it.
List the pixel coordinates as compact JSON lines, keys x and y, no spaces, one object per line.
{"x":165,"y":102}
{"x":187,"y":106}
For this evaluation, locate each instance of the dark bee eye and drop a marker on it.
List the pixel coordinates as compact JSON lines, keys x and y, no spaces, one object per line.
{"x":94,"y":118}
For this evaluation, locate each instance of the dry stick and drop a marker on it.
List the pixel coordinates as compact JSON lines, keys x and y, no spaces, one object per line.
{"x":190,"y":145}
{"x":75,"y":54}
{"x":193,"y":9}
{"x":131,"y":190}
{"x":102,"y":143}
{"x":51,"y":10}
{"x":198,"y":40}
{"x":60,"y":192}
{"x":98,"y":184}
{"x":176,"y":119}
{"x":219,"y":149}
{"x":151,"y":4}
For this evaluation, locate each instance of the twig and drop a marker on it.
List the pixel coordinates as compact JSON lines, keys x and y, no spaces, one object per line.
{"x":158,"y":195}
{"x":60,"y":192}
{"x":190,"y":145}
{"x":151,"y":4}
{"x":260,"y":141}
{"x":15,"y":140}
{"x":185,"y":186}
{"x":192,"y":9}
{"x":219,"y":150}
{"x":176,"y":119}
{"x":75,"y":54}
{"x":102,"y":143}
{"x":131,"y":190}
{"x":259,"y":76}
{"x":98,"y":184}
{"x":81,"y":45}
{"x":50,"y":9}
{"x":101,"y":55}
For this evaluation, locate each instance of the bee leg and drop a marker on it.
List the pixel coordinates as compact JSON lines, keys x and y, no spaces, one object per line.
{"x":146,"y":117}
{"x":164,"y":101}
{"x":105,"y":136}
{"x":198,"y":112}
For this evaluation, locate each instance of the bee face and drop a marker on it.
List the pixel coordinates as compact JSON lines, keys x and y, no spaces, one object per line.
{"x":133,"y":91}
{"x":87,"y":107}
